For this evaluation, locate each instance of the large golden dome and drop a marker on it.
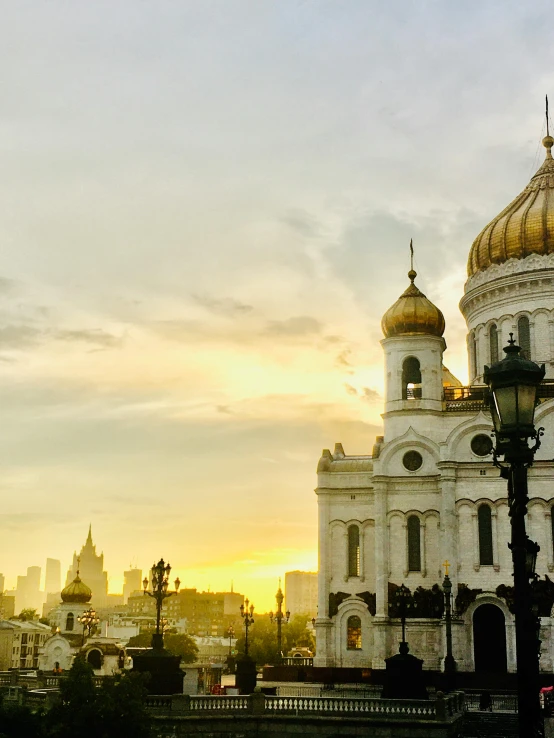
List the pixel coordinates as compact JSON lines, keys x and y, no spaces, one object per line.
{"x":76,"y":591}
{"x":412,"y":314}
{"x":525,"y":227}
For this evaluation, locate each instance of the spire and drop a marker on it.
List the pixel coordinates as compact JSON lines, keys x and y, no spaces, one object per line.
{"x":412,"y":274}
{"x":89,"y":537}
{"x":548,"y":141}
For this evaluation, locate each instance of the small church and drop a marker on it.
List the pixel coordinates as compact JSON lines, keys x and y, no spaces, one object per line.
{"x":428,"y":498}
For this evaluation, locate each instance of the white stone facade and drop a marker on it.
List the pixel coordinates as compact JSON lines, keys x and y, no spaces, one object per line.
{"x":378,"y":495}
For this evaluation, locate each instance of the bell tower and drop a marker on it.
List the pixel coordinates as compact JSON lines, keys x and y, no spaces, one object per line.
{"x":413,"y":347}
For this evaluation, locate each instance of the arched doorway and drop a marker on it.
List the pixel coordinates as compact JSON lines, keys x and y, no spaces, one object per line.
{"x":489,"y":639}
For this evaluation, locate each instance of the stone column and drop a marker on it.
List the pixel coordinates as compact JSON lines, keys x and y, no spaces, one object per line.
{"x":449,"y":523}
{"x":382,"y":566}
{"x":551,"y":337}
{"x":325,"y":654}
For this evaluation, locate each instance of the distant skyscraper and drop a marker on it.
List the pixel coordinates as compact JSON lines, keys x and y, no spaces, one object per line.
{"x":28,"y":594}
{"x":132,"y":582}
{"x":2,"y":583}
{"x":301,"y":593}
{"x":91,"y":571}
{"x":53,"y":578}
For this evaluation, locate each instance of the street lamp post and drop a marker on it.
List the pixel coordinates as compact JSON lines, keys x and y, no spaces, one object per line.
{"x":403,"y":600}
{"x":449,"y":662}
{"x":231,"y":635}
{"x":245,"y":678}
{"x":279,"y":617}
{"x":89,"y":621}
{"x":160,"y":592}
{"x":513,"y":384}
{"x":247,"y":615}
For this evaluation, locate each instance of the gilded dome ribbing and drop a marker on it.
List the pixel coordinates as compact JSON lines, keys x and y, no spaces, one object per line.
{"x":525,"y":227}
{"x":412,"y":314}
{"x":76,"y":591}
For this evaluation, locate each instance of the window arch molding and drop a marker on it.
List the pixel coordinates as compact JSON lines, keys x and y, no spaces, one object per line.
{"x":351,"y":607}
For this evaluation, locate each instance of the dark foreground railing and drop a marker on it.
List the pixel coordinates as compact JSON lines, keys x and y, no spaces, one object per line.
{"x":441,"y":708}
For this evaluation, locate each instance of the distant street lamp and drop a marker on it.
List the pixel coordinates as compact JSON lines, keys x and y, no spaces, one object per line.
{"x":160,"y":592}
{"x":89,"y":621}
{"x":513,"y":384}
{"x":247,"y":615}
{"x":279,"y":617}
{"x":403,"y":600}
{"x":230,"y":635}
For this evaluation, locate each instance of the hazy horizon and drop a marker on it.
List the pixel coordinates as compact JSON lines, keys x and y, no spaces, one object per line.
{"x":205,"y":209}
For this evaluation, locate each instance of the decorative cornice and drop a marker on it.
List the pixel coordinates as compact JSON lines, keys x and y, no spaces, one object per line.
{"x":531,"y":263}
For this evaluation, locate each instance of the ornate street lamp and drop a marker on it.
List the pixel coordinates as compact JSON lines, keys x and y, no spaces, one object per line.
{"x":89,"y":621}
{"x":247,"y":615}
{"x":160,"y":591}
{"x":513,"y":384}
{"x":279,"y":617}
{"x":403,"y":601}
{"x":449,"y":662}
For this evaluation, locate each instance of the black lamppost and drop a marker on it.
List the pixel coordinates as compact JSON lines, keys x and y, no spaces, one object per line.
{"x":231,"y":635}
{"x":160,"y":592}
{"x":89,"y":621}
{"x":279,"y":617}
{"x":513,"y":384}
{"x":247,"y":614}
{"x":449,"y":662}
{"x":403,"y":598}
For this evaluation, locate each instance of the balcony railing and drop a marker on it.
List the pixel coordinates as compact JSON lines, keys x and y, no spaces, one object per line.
{"x":474,"y":398}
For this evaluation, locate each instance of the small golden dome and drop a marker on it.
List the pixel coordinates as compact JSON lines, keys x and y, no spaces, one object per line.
{"x":413,"y":314}
{"x":76,"y":591}
{"x":525,"y":227}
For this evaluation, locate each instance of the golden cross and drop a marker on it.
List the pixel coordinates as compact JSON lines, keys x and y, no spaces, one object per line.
{"x":446,"y":565}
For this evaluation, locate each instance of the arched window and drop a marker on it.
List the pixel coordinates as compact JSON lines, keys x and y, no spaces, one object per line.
{"x":484,"y":519}
{"x":353,"y":551}
{"x":69,"y":621}
{"x":524,"y":336}
{"x":354,"y":633}
{"x":473,"y":351}
{"x":493,"y":343}
{"x":414,"y":543}
{"x":94,"y":658}
{"x":411,"y":379}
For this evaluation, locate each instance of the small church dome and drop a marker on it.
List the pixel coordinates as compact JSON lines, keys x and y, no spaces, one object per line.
{"x":76,"y":591}
{"x":413,"y":314}
{"x":525,"y":227}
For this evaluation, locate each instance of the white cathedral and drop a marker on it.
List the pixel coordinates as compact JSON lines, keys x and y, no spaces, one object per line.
{"x":429,"y":492}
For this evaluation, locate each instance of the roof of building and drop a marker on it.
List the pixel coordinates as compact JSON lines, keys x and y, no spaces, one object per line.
{"x":413,"y":314}
{"x":525,"y":227}
{"x":76,"y":591}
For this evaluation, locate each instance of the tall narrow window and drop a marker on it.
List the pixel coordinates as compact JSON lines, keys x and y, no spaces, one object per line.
{"x":353,"y":551}
{"x":493,"y":343}
{"x":484,"y":519}
{"x":353,"y":633}
{"x":552,"y":524}
{"x":474,"y":356}
{"x":414,"y":543}
{"x":411,"y":379}
{"x":69,"y":621}
{"x":524,"y":336}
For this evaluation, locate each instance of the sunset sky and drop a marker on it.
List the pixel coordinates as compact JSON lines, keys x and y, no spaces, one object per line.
{"x":205,"y":209}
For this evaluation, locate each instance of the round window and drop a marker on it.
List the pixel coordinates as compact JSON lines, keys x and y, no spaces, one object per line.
{"x":412,"y":460}
{"x":481,"y":445}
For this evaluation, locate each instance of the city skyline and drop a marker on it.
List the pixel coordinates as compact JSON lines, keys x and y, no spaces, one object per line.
{"x":206,"y":210}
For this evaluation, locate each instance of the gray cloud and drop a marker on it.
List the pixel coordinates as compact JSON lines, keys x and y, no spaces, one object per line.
{"x":223,"y":306}
{"x":299,"y":325}
{"x":303,"y":223}
{"x":95,"y":337}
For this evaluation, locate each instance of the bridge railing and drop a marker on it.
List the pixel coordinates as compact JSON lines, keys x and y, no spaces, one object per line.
{"x":441,"y":708}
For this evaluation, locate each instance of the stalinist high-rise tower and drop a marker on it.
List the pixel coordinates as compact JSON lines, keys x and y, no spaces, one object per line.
{"x":91,"y":570}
